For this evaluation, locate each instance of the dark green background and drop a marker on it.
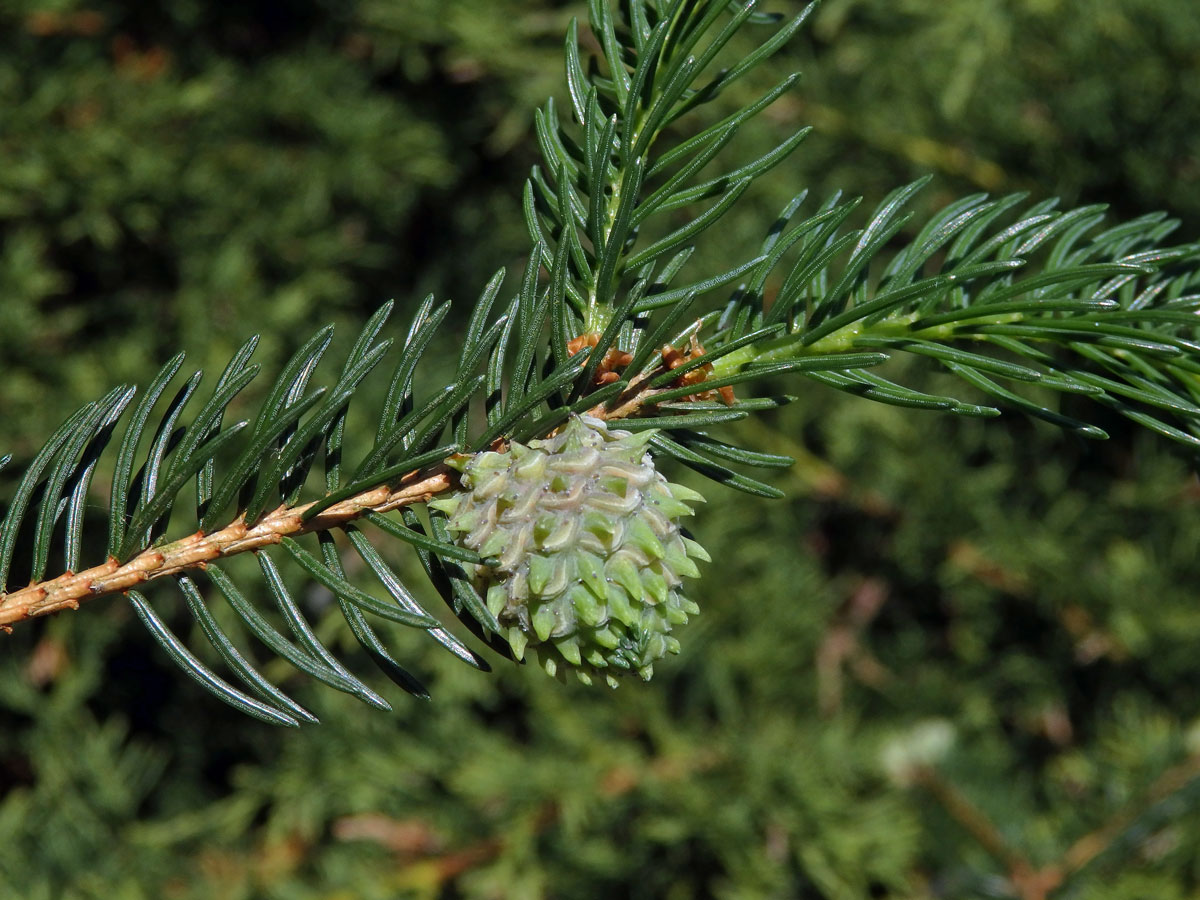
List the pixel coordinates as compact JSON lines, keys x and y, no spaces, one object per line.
{"x":953,"y":636}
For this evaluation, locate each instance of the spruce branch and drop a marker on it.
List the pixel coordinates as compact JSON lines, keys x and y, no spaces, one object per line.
{"x":1003,"y":298}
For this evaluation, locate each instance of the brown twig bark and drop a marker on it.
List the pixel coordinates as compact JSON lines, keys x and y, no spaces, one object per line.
{"x":196,"y":550}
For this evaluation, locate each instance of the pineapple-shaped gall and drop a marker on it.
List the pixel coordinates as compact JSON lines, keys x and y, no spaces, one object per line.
{"x":584,"y":536}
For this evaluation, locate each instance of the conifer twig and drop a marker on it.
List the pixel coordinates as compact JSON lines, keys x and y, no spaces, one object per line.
{"x":68,"y":590}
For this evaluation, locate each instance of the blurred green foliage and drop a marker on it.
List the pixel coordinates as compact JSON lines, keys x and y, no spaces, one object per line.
{"x":958,"y":662}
